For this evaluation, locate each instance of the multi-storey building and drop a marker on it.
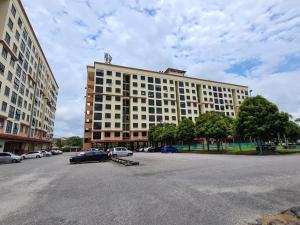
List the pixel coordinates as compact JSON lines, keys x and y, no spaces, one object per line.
{"x":28,"y":89}
{"x":123,"y":102}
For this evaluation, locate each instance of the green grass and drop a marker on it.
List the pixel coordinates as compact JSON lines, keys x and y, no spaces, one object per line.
{"x":245,"y":150}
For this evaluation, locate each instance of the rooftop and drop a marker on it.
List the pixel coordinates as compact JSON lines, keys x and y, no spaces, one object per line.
{"x":169,"y":71}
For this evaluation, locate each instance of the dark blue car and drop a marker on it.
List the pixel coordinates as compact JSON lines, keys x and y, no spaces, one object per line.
{"x":168,"y":149}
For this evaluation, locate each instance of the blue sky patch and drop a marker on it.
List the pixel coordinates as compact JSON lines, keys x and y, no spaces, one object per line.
{"x":291,"y":63}
{"x":243,"y":67}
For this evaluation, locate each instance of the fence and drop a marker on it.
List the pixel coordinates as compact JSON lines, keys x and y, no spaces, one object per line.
{"x":226,"y":146}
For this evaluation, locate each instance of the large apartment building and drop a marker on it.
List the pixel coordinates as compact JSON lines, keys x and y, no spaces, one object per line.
{"x":123,"y":102}
{"x":28,"y":89}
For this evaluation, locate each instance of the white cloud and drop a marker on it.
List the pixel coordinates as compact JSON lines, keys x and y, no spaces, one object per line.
{"x":203,"y":37}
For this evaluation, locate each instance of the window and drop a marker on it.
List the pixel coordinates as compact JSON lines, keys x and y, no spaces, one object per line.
{"x":117,"y":125}
{"x":13,"y":10}
{"x":98,"y":98}
{"x":18,"y":114}
{"x":159,"y":110}
{"x":11,"y":112}
{"x":118,"y":82}
{"x":107,"y":134}
{"x":108,"y":89}
{"x":117,"y":134}
{"x":99,"y":73}
{"x":118,"y":74}
{"x":97,"y":116}
{"x":135,"y":125}
{"x":10,"y":24}
{"x":7,"y":38}
{"x":4,"y":106}
{"x":9,"y":125}
{"x":2,"y":68}
{"x":20,"y":102}
{"x":99,"y":80}
{"x":4,"y":53}
{"x":107,"y":106}
{"x":150,"y":79}
{"x":14,"y":97}
{"x":6,"y":91}
{"x":98,"y":107}
{"x":96,"y":135}
{"x":151,"y":102}
{"x":16,"y":84}
{"x":20,"y":22}
{"x":107,"y":115}
{"x":151,"y":110}
{"x":107,"y":125}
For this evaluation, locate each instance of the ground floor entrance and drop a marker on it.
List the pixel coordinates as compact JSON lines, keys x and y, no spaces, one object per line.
{"x":20,"y":147}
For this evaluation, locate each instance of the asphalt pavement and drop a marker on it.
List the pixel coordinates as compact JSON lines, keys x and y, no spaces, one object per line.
{"x":166,"y":189}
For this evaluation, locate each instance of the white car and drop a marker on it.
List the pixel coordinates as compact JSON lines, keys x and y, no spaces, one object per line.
{"x":120,"y":151}
{"x":32,"y":155}
{"x":46,"y":153}
{"x":7,"y":157}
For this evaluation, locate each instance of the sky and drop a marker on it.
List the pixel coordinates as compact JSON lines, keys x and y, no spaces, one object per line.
{"x":253,"y":43}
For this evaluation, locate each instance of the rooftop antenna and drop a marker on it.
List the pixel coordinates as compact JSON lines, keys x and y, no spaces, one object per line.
{"x":107,"y":58}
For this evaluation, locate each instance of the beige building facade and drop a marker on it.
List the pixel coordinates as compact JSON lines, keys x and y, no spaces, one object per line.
{"x":123,"y":102}
{"x":28,"y":89}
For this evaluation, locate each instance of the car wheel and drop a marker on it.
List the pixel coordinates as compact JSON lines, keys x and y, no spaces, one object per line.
{"x":38,"y":156}
{"x":114,"y":155}
{"x":14,"y":161}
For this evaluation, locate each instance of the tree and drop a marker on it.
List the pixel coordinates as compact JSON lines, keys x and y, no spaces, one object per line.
{"x":292,"y":131}
{"x":186,"y":132}
{"x":168,"y":134}
{"x":162,"y":134}
{"x":214,"y":125}
{"x":260,"y":119}
{"x":74,"y":141}
{"x":59,"y":143}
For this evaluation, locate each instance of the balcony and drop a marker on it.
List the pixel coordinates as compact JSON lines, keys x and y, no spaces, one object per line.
{"x":88,"y":126}
{"x":89,"y":117}
{"x":90,"y":90}
{"x":88,"y":134}
{"x":90,"y":98}
{"x":89,"y":108}
{"x":90,"y":83}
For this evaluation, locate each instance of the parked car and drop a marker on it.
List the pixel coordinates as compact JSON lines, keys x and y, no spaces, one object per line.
{"x":89,"y":156}
{"x":32,"y":155}
{"x":120,"y":151}
{"x":56,"y":152}
{"x":46,"y":153}
{"x":168,"y":149}
{"x":7,"y":157}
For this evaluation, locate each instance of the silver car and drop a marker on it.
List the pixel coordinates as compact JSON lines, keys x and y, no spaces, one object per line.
{"x":7,"y":157}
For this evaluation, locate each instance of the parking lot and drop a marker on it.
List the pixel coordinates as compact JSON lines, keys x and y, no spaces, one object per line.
{"x":173,"y":189}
